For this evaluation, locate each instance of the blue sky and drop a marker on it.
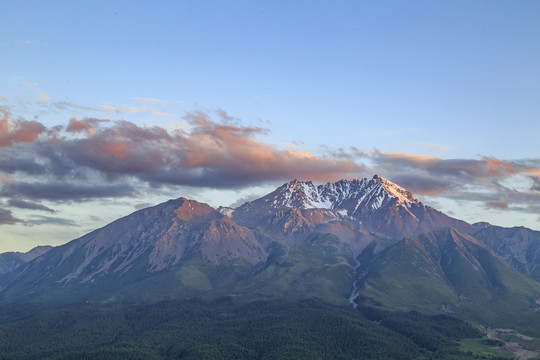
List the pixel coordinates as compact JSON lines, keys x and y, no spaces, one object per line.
{"x":108,"y":106}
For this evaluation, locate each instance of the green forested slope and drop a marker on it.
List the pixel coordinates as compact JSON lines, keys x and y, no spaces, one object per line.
{"x":309,"y":329}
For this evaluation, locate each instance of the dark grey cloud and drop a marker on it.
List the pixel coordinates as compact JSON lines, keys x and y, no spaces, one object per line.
{"x":6,"y":218}
{"x":535,"y":183}
{"x":21,"y":204}
{"x":41,"y":220}
{"x":60,"y":191}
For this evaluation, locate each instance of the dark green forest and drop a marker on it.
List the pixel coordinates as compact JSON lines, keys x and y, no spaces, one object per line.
{"x":224,"y":329}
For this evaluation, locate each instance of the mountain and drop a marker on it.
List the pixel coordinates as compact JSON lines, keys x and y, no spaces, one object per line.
{"x":360,"y":241}
{"x":518,"y":246}
{"x":134,"y":248}
{"x":9,"y":261}
{"x":376,"y":205}
{"x":446,"y":270}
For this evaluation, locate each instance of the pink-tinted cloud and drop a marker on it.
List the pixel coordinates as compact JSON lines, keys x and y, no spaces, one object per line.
{"x":497,"y":204}
{"x":91,"y":158}
{"x":109,"y":160}
{"x":87,"y":124}
{"x":499,"y":168}
{"x":17,"y":131}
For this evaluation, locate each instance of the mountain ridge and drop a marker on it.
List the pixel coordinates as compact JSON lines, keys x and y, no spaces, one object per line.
{"x":364,"y":236}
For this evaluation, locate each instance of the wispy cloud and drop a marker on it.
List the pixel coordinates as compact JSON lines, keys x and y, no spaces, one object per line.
{"x":149,"y":100}
{"x":109,"y":107}
{"x":21,"y":204}
{"x":131,"y":108}
{"x":40,"y":220}
{"x":162,"y":114}
{"x":432,"y":147}
{"x":42,"y":98}
{"x":63,"y":105}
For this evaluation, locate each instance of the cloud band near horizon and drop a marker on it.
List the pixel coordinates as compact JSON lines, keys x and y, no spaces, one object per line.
{"x":92,"y":158}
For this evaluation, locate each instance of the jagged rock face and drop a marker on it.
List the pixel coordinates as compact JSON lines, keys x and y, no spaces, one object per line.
{"x":518,"y":246}
{"x":378,"y":205}
{"x":197,"y":226}
{"x":223,"y":238}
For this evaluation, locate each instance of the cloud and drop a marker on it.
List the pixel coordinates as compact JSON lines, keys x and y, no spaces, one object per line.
{"x":17,"y":130}
{"x":117,"y":109}
{"x":113,"y":160}
{"x":62,"y":191}
{"x":110,"y":108}
{"x":449,"y":173}
{"x":131,"y":109}
{"x":467,"y":180}
{"x":245,"y":199}
{"x":535,"y":183}
{"x":41,"y":220}
{"x":86,"y":124}
{"x":6,"y":218}
{"x":96,"y":158}
{"x":3,"y":98}
{"x":432,"y":147}
{"x":497,"y":204}
{"x":149,"y":100}
{"x":162,"y":114}
{"x":21,"y":204}
{"x":142,"y":206}
{"x":42,"y":98}
{"x":62,"y":105}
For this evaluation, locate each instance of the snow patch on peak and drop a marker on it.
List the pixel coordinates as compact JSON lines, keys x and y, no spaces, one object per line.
{"x":226,"y":211}
{"x":351,"y":195}
{"x":301,"y":194}
{"x":403,"y":195}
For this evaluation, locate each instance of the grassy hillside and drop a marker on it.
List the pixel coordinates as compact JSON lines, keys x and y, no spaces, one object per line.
{"x":448,"y":271}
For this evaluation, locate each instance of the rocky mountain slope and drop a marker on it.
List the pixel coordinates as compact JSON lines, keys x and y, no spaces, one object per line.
{"x":445,"y":270}
{"x":363,"y":241}
{"x":9,"y":261}
{"x":376,"y":205}
{"x":518,"y":246}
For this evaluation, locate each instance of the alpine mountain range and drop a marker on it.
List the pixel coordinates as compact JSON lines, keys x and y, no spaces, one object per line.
{"x":351,"y":242}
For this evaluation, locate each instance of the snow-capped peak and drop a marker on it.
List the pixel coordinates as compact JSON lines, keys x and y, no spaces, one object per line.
{"x":299,"y":194}
{"x":344,"y":194}
{"x":396,"y":191}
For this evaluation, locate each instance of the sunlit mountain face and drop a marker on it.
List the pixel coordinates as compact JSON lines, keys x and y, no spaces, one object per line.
{"x":353,"y":244}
